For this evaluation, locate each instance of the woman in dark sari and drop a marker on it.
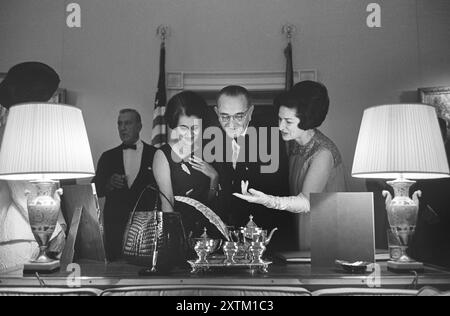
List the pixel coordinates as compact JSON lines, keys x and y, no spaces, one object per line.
{"x":178,"y":172}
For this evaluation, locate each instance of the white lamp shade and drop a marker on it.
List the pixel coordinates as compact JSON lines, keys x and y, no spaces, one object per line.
{"x":45,"y":141}
{"x":400,"y":140}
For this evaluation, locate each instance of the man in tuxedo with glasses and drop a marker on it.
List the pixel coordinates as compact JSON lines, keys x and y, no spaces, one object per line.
{"x":122,"y":174}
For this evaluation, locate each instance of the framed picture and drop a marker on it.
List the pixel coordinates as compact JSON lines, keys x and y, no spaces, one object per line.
{"x":439,"y":98}
{"x":2,"y":109}
{"x":58,"y":97}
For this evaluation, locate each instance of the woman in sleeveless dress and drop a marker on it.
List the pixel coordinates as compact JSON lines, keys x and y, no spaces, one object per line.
{"x":178,"y":172}
{"x":315,"y":163}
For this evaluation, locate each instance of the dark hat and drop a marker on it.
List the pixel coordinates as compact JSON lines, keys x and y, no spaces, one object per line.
{"x":28,"y":82}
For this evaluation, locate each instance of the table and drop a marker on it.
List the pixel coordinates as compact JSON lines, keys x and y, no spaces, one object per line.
{"x":121,"y":274}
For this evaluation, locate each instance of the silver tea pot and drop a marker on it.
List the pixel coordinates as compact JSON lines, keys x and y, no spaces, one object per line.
{"x":252,"y":233}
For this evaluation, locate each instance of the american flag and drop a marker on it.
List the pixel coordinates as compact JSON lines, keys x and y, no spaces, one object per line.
{"x":289,"y":67}
{"x":159,"y":135}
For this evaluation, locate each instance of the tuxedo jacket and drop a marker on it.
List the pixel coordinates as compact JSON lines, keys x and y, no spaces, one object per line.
{"x":120,"y":203}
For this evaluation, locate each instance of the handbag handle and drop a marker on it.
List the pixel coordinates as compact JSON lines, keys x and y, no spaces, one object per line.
{"x":154,"y":189}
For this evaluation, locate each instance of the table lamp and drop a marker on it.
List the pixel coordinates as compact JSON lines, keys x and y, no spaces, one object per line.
{"x":43,"y":143}
{"x":401,"y":142}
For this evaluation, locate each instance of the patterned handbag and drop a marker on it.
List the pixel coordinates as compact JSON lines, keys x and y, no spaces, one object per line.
{"x":154,"y":238}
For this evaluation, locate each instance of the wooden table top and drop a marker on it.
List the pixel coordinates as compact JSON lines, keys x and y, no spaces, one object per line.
{"x":121,"y":274}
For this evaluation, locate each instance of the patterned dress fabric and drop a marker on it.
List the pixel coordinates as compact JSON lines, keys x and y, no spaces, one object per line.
{"x":300,"y":159}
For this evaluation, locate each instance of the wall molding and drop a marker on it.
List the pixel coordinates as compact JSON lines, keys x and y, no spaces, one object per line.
{"x":215,"y":81}
{"x":252,"y":80}
{"x":262,"y":84}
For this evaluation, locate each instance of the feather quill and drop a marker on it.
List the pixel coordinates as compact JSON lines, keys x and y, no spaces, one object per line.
{"x":207,"y":212}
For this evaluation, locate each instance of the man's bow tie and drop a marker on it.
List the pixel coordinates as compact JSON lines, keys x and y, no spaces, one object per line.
{"x":125,"y":147}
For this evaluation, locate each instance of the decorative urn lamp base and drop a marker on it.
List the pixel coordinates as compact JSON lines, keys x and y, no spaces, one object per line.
{"x":402,"y":214}
{"x":43,"y":204}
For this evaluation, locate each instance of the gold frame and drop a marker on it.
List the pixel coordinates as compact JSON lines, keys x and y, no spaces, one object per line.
{"x":59,"y":96}
{"x":439,"y":97}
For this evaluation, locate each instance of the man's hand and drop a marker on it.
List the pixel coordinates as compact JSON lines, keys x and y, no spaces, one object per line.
{"x":116,"y":182}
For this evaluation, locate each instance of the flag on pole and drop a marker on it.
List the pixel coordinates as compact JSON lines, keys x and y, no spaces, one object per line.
{"x":159,"y":132}
{"x":289,"y":67}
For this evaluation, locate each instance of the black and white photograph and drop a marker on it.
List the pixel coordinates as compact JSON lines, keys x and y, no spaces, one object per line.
{"x":209,"y":149}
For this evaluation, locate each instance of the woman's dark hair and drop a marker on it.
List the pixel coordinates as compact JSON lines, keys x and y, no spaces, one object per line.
{"x":310,"y":100}
{"x":185,"y":103}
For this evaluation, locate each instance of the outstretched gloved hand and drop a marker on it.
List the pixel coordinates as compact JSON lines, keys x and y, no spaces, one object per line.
{"x":294,"y":204}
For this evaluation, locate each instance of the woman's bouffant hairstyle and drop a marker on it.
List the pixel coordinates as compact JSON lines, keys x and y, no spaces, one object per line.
{"x":185,"y":103}
{"x":310,"y":100}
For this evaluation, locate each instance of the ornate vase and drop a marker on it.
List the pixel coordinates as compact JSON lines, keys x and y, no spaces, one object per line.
{"x":43,"y":211}
{"x":402,"y":214}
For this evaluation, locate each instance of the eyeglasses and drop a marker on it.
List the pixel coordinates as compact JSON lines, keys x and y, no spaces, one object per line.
{"x":239,"y":117}
{"x":185,"y":130}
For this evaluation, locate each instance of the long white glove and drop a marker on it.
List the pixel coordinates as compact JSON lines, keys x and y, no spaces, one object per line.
{"x":294,"y":204}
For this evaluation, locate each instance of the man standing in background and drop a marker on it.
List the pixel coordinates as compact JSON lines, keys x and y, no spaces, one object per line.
{"x":122,"y":174}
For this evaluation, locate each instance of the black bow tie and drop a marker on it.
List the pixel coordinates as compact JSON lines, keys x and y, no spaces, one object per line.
{"x":125,"y":147}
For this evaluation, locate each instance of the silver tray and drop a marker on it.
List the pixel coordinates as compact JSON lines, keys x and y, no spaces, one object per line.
{"x":219,"y":263}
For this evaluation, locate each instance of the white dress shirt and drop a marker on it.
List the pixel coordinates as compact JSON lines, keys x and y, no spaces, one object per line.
{"x":236,"y":152}
{"x":237,"y":149}
{"x":132,"y":162}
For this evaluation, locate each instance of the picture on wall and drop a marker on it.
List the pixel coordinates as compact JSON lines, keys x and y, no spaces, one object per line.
{"x":439,"y":98}
{"x":59,"y":96}
{"x":2,"y":109}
